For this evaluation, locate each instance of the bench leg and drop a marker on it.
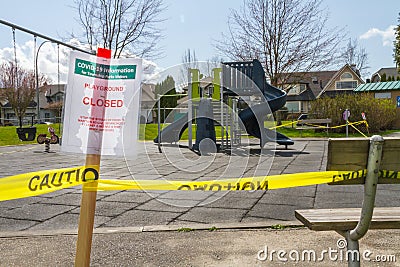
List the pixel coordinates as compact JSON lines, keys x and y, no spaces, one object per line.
{"x":353,"y":250}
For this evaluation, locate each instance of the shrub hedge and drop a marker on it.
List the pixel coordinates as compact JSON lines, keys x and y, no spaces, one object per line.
{"x":380,"y":113}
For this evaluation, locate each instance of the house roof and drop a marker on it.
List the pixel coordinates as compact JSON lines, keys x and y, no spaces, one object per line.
{"x":392,"y":71}
{"x":52,"y":89}
{"x":206,"y":81}
{"x":380,"y":86}
{"x":305,"y":95}
{"x":316,"y":80}
{"x":346,"y":67}
{"x":32,"y":104}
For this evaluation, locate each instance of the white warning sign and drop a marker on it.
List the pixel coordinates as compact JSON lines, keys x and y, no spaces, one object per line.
{"x":101,"y":105}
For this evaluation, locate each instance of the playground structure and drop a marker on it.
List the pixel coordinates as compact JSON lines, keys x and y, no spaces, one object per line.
{"x":219,"y":105}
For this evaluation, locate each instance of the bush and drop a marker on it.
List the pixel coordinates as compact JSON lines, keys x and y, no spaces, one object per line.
{"x":380,"y":113}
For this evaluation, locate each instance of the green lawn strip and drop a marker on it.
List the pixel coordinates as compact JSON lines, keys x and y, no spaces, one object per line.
{"x":290,"y":131}
{"x":147,"y":132}
{"x":8,"y":134}
{"x":150,"y":131}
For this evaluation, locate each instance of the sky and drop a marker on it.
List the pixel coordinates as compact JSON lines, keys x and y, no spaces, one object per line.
{"x":189,"y":24}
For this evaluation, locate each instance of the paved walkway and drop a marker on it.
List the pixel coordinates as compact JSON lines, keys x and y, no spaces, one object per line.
{"x":221,"y":247}
{"x":60,"y":210}
{"x":136,"y":228}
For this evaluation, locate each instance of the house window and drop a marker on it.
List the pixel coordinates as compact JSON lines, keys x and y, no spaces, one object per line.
{"x":59,"y":98}
{"x":346,"y":76}
{"x":294,"y":90}
{"x":293,"y":106}
{"x":346,"y":85}
{"x":297,"y":89}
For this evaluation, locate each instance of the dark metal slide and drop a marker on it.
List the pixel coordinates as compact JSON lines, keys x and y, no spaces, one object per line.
{"x":173,"y":132}
{"x":253,"y":121}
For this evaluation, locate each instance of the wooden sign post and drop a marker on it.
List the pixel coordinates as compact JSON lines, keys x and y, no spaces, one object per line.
{"x":102,"y":104}
{"x":88,"y":201}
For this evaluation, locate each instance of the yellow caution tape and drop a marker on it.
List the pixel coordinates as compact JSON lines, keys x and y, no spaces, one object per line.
{"x":359,"y":131}
{"x":283,"y":125}
{"x":322,"y":126}
{"x":232,"y":184}
{"x":350,"y":123}
{"x":43,"y":182}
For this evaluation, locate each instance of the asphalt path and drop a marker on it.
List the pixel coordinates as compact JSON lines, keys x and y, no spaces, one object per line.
{"x":60,"y":209}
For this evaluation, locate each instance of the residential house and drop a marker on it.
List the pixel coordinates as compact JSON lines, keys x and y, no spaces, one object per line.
{"x":51,"y":99}
{"x":384,"y":90}
{"x":8,"y":117}
{"x":148,"y":102}
{"x":304,"y":87}
{"x":385,"y":74}
{"x":49,"y":95}
{"x":206,"y":88}
{"x":344,"y":81}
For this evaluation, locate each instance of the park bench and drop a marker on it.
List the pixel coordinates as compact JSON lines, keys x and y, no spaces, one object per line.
{"x":377,"y":156}
{"x":308,"y":124}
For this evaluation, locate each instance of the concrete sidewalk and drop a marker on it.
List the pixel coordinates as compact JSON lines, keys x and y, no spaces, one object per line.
{"x":168,"y":246}
{"x":60,"y":210}
{"x":137,"y":228}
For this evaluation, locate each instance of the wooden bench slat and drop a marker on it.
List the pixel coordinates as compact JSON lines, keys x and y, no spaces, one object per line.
{"x":351,"y":154}
{"x":347,"y":218}
{"x":315,"y":121}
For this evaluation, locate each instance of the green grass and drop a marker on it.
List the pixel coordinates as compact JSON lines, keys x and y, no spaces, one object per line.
{"x":148,"y":132}
{"x":184,"y":229}
{"x":292,"y":132}
{"x":8,"y":134}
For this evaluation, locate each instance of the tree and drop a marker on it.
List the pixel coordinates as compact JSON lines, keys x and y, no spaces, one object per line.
{"x":285,"y":35}
{"x":19,"y":87}
{"x":396,"y":49}
{"x":122,"y":25}
{"x":189,"y":61}
{"x":383,"y":77}
{"x":214,"y":62}
{"x":166,"y":89}
{"x":356,"y":55}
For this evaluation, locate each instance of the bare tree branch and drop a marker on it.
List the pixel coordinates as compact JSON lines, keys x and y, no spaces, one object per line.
{"x":129,"y":26}
{"x":355,"y":55}
{"x":285,"y":35}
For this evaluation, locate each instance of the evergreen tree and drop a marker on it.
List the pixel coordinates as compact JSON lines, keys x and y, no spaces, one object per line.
{"x":383,"y":77}
{"x":166,"y":88}
{"x":396,"y":49}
